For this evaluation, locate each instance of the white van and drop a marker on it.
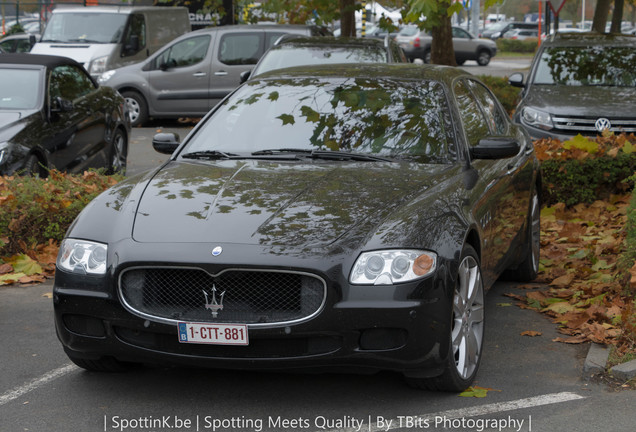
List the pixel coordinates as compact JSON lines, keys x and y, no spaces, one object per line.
{"x":104,"y":38}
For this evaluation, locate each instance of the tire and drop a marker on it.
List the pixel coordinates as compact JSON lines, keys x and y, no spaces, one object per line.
{"x":467,"y":330}
{"x":32,"y":167}
{"x":104,"y":364}
{"x":483,"y":58}
{"x":118,"y":153}
{"x":529,"y":267}
{"x":427,"y":57}
{"x":137,"y":107}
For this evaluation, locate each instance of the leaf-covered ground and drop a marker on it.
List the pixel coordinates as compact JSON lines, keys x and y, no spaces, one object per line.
{"x":586,"y":296}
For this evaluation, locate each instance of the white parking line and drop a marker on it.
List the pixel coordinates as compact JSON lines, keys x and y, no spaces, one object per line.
{"x":36,"y":383}
{"x":477,"y":411}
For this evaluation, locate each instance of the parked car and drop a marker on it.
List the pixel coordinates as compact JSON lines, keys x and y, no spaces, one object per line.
{"x":53,"y":115}
{"x":104,"y":38}
{"x":328,"y":216}
{"x":500,"y":29}
{"x":521,"y":34}
{"x":20,"y":42}
{"x":579,"y":83}
{"x":194,"y":72}
{"x":306,"y":50}
{"x":417,"y":45}
{"x":22,"y":22}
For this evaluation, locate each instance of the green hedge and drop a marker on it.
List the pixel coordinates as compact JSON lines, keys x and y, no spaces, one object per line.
{"x":585,"y":181}
{"x":528,"y":46}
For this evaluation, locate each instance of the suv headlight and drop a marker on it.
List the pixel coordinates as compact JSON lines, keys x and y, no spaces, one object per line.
{"x":98,"y":65}
{"x":4,"y":152}
{"x":534,"y":117}
{"x":82,"y":256}
{"x":387,"y":267}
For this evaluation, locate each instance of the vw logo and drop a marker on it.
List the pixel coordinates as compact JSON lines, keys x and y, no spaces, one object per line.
{"x":602,"y":124}
{"x":217,"y":251}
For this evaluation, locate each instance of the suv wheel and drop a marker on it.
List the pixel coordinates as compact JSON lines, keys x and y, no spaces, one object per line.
{"x":483,"y":58}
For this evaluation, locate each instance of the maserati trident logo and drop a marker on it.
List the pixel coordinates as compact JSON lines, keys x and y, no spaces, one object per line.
{"x":602,"y":124}
{"x":214,"y":305}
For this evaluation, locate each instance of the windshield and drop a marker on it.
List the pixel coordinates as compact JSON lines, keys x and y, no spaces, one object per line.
{"x":497,"y":26}
{"x":81,"y":27}
{"x":587,"y":66}
{"x":19,"y":89}
{"x":383,"y":117}
{"x":409,"y":31}
{"x":289,"y":56}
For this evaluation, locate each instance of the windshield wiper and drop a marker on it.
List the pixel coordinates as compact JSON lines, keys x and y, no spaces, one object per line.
{"x":281,"y":150}
{"x":339,"y":155}
{"x":209,"y":154}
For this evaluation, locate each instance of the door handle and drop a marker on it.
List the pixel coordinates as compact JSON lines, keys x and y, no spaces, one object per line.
{"x":220,"y":73}
{"x":199,"y":74}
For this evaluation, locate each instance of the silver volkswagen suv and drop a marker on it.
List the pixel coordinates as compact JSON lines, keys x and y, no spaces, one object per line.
{"x":579,"y":83}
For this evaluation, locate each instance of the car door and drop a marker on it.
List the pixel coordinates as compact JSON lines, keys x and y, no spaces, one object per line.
{"x":497,"y":211}
{"x":463,"y":44}
{"x":77,"y":121}
{"x":180,"y":77}
{"x":235,"y":52}
{"x":519,"y":169}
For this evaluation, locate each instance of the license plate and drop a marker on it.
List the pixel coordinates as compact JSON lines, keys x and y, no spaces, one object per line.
{"x":217,"y":334}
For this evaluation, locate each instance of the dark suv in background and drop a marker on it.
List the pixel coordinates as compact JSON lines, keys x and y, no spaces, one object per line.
{"x":579,"y":83}
{"x":499,"y":29}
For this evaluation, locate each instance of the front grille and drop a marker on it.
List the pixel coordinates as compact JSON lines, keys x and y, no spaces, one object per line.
{"x":587,"y":125}
{"x":232,"y":296}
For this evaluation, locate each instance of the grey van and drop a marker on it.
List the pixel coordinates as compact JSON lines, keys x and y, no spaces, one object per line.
{"x":195,"y":71}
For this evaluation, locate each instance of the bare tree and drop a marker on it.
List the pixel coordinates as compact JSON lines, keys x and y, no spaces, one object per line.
{"x":600,"y":15}
{"x":617,"y":16}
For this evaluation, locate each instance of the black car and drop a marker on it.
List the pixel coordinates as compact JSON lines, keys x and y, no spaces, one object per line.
{"x":579,"y":83}
{"x":499,"y":29}
{"x":53,"y":115}
{"x":338,"y":216}
{"x":294,"y":50}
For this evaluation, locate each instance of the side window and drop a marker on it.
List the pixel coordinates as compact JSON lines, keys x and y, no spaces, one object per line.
{"x":494,"y":114}
{"x":137,"y":27}
{"x":240,"y":48}
{"x":7,"y":45}
{"x":70,"y":83}
{"x":473,"y":119}
{"x":187,"y":52}
{"x":459,"y":33}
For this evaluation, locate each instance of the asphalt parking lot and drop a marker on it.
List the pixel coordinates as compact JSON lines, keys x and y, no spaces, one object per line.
{"x":535,"y":385}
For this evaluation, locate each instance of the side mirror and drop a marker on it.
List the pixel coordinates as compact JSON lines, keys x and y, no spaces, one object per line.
{"x":32,"y":40}
{"x":516,"y":80}
{"x":165,"y":142}
{"x":59,"y":105}
{"x":495,"y":148}
{"x":245,"y":75}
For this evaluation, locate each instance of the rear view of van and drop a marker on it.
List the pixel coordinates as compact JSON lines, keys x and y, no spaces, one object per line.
{"x":104,"y":38}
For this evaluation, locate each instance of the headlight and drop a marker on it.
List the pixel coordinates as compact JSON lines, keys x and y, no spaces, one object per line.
{"x":537,"y":118}
{"x":389,"y":267}
{"x":106,"y":76}
{"x":98,"y":65}
{"x":82,"y":256}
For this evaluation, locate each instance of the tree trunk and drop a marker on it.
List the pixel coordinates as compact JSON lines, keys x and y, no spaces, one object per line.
{"x":228,"y":8}
{"x":617,"y":16}
{"x":347,"y":18}
{"x":600,"y":15}
{"x":442,"y":51}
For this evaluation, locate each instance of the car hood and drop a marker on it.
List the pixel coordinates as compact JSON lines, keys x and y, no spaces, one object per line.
{"x":581,"y":101}
{"x":80,"y":52}
{"x":9,"y":122}
{"x":275,"y":204}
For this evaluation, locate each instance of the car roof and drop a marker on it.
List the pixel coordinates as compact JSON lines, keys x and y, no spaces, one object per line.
{"x":255,"y":27}
{"x":588,"y":39}
{"x":48,"y":61}
{"x":329,"y":41}
{"x":393,"y":71}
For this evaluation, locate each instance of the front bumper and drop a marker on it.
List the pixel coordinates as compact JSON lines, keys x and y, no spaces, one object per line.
{"x":402,"y":328}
